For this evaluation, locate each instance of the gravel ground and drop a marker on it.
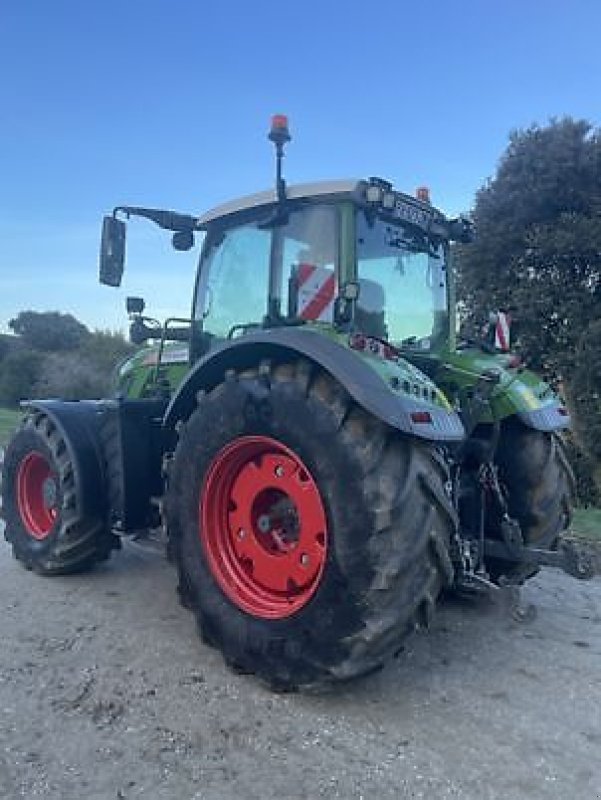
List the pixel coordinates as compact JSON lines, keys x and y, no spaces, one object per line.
{"x":107,"y":693}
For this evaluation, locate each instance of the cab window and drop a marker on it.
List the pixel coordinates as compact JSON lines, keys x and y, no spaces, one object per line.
{"x":234,"y":282}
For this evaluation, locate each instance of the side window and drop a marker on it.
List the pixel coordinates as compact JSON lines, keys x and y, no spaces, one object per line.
{"x":234,"y":283}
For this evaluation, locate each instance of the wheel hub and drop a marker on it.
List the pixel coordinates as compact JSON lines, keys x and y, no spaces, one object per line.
{"x":37,"y":495}
{"x":263,"y":527}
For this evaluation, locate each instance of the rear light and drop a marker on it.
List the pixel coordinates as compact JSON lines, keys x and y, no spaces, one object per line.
{"x":357,"y":341}
{"x":361,"y":342}
{"x":421,"y":417}
{"x":423,"y":193}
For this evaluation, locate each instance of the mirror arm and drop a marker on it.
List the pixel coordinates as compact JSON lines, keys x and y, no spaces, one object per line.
{"x":168,"y":220}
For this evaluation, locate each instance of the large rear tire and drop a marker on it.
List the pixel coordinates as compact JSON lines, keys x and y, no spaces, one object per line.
{"x":40,"y":504}
{"x":539,"y":487}
{"x":349,"y":523}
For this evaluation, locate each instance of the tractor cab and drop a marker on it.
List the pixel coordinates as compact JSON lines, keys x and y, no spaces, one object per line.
{"x":352,"y":255}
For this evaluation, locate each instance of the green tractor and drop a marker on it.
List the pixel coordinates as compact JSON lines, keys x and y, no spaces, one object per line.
{"x":321,"y":453}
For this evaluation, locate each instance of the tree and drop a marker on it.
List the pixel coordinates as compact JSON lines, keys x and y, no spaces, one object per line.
{"x":538,"y":253}
{"x":538,"y":247}
{"x":584,"y":396}
{"x":49,"y":331}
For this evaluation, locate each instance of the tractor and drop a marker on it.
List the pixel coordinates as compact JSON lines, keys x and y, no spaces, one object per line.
{"x":323,"y":454}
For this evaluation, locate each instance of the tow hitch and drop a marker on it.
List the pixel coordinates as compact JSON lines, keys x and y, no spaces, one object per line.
{"x":575,"y":558}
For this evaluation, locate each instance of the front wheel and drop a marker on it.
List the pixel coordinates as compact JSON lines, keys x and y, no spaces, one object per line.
{"x":310,"y":537}
{"x":44,"y":523}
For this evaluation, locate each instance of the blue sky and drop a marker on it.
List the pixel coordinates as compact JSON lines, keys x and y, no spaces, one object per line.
{"x":168,"y":103}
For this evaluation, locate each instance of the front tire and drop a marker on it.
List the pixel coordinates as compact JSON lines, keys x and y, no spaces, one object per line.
{"x":48,"y":531}
{"x":331,"y":584}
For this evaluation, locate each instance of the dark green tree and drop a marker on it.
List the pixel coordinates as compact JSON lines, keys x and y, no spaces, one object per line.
{"x":538,"y":254}
{"x":538,"y":246}
{"x":49,"y":331}
{"x":584,"y":396}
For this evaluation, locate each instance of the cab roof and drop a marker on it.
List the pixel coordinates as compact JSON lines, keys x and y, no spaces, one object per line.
{"x":340,"y":189}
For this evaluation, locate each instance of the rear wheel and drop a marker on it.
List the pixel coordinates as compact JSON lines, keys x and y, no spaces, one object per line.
{"x":40,"y":504}
{"x":539,"y":487}
{"x":310,"y":538}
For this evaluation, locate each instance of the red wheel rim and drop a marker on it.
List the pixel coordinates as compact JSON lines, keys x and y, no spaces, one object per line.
{"x":37,"y":495}
{"x":263,"y":527}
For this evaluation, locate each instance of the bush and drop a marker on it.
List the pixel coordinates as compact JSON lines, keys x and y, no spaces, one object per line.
{"x":54,"y":355}
{"x":105,"y":350}
{"x":68,"y":376}
{"x":76,"y":375}
{"x":18,"y":373}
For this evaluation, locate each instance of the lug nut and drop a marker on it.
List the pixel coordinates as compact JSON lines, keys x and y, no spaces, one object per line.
{"x":241,"y":533}
{"x":304,"y":560}
{"x":279,"y":471}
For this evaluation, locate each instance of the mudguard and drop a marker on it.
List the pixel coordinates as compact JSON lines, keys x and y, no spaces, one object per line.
{"x":115,"y":447}
{"x":518,"y":392}
{"x":78,"y":425}
{"x":362,"y":382}
{"x":551,"y":418}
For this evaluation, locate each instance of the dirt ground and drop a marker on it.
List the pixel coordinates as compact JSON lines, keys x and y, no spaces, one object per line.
{"x":106,"y":693}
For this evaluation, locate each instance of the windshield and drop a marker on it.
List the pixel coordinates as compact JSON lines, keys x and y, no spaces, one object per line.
{"x":402,"y":283}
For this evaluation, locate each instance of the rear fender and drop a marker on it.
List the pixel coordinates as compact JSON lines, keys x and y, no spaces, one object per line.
{"x":78,"y":426}
{"x":115,"y":447}
{"x":362,"y":382}
{"x":519,"y":392}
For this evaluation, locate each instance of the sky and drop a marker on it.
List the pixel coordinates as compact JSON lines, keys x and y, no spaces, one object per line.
{"x":167,"y":104}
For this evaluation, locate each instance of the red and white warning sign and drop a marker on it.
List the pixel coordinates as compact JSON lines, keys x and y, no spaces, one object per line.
{"x":316,"y":292}
{"x":502,"y":331}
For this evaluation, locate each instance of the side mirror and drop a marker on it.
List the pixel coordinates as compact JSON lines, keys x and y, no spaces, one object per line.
{"x":112,"y":251}
{"x":135,"y":305}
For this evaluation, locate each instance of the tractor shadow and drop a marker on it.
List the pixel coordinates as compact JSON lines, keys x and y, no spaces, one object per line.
{"x":484,"y":647}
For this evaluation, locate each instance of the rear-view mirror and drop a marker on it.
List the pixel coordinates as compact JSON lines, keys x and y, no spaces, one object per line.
{"x":112,"y":251}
